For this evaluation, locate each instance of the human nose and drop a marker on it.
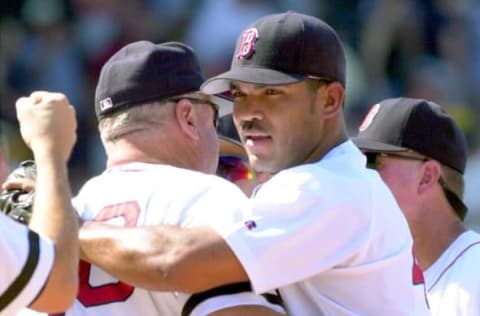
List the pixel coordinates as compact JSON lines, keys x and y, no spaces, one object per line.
{"x":246,"y":111}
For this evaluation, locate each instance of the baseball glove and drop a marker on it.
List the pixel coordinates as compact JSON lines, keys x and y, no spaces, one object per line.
{"x":17,"y":203}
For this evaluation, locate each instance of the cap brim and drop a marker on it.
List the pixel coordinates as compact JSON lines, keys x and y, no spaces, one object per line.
{"x":230,"y":146}
{"x":225,"y":104}
{"x":221,"y":83}
{"x":375,"y":146}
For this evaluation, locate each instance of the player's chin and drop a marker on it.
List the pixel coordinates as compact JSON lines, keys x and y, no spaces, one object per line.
{"x":264,"y":163}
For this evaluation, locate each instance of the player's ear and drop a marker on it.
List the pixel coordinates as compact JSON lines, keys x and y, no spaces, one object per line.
{"x":431,"y":172}
{"x":334,"y":94}
{"x":186,"y":118}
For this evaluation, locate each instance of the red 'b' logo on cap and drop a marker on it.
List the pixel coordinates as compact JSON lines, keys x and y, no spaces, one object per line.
{"x":246,"y":48}
{"x":369,"y":117}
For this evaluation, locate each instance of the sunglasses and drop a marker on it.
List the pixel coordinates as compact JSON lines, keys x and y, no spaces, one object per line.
{"x":457,"y":204}
{"x":234,"y":168}
{"x":373,"y":156}
{"x":200,"y":101}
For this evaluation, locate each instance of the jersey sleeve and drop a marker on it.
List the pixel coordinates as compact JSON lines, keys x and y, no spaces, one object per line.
{"x":27,"y":259}
{"x":297,"y":227}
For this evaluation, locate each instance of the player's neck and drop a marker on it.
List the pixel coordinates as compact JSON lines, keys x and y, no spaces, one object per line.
{"x":334,"y":135}
{"x":431,"y":242}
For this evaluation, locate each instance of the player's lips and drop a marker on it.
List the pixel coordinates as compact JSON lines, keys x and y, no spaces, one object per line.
{"x":256,"y":142}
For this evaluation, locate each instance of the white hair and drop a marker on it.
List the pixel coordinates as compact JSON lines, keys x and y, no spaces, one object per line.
{"x":133,"y":119}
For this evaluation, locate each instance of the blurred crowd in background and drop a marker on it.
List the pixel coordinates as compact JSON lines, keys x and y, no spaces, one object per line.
{"x":417,"y":48}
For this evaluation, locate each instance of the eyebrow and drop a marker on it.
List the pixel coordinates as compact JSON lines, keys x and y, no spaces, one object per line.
{"x":256,"y":86}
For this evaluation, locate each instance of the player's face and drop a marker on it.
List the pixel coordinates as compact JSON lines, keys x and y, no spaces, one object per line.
{"x":402,"y":174}
{"x":280,"y":126}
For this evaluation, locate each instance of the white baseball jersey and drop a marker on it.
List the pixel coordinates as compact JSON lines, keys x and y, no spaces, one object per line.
{"x":140,"y":194}
{"x":26,"y":261}
{"x":330,"y":236}
{"x":453,"y":285}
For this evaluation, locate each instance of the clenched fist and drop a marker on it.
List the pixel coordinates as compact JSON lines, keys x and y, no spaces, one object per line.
{"x":47,"y":123}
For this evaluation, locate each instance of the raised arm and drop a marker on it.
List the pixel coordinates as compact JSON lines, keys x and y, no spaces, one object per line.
{"x":162,"y":257}
{"x":47,"y":124}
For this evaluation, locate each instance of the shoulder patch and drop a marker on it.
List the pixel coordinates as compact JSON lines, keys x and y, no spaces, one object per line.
{"x":250,"y":224}
{"x":105,"y":104}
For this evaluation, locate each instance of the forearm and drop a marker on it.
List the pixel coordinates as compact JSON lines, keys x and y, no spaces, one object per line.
{"x":161,"y":258}
{"x":53,"y":216}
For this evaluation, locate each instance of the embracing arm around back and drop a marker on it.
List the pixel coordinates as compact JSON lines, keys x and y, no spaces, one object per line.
{"x":162,"y":257}
{"x":47,"y":124}
{"x":166,"y":258}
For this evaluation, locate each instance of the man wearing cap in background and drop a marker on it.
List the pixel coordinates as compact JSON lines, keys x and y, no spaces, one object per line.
{"x":233,"y":160}
{"x":324,"y":229}
{"x":159,"y":134}
{"x":421,"y":153}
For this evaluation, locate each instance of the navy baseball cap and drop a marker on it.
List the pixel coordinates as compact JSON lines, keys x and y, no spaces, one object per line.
{"x":281,"y":49}
{"x":143,"y":71}
{"x":400,"y":124}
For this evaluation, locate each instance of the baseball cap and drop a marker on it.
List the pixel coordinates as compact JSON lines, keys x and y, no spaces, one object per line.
{"x":400,"y":124}
{"x":143,"y":71}
{"x":281,"y":49}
